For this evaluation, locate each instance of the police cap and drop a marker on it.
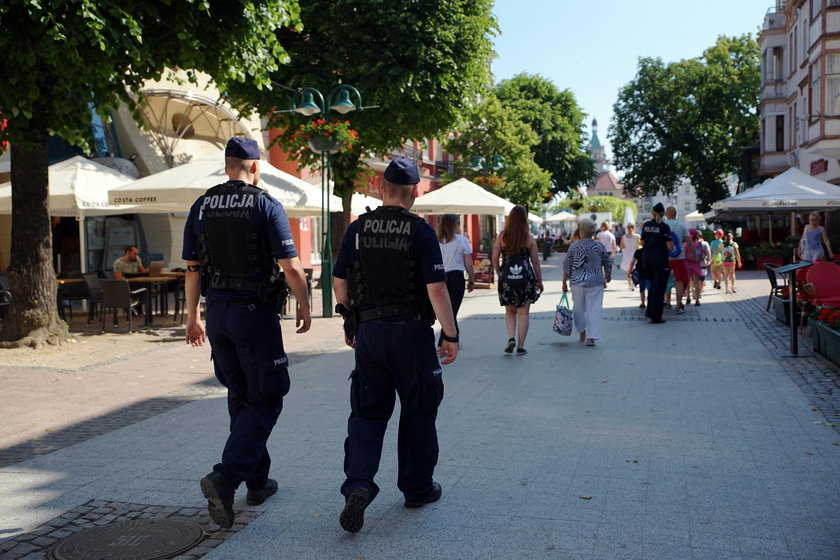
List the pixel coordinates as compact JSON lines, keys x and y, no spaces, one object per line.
{"x":658,"y":208}
{"x":242,"y":148}
{"x":402,"y":171}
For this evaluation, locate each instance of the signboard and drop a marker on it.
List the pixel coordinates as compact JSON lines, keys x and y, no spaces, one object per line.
{"x":483,"y":267}
{"x":819,"y":166}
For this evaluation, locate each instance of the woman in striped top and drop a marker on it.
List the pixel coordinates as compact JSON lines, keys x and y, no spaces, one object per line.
{"x":588,"y":267}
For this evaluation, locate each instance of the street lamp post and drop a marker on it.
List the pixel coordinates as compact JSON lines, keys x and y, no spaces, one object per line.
{"x":308,"y":102}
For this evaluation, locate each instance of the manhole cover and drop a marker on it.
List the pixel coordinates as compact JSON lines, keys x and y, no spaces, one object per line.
{"x":140,"y":539}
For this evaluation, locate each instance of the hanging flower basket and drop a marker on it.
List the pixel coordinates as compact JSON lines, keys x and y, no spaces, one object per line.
{"x":319,"y":136}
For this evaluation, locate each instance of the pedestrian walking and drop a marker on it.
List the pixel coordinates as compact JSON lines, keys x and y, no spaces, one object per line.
{"x":236,"y":241}
{"x":677,"y":262}
{"x":588,"y":266}
{"x":629,"y":243}
{"x":814,"y":244}
{"x":656,"y":237}
{"x":390,"y":284}
{"x":455,"y":250}
{"x":730,"y":256}
{"x":520,"y":276}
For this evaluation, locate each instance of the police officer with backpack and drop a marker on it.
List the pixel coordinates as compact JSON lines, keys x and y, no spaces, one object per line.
{"x":390,"y":283}
{"x":236,"y":240}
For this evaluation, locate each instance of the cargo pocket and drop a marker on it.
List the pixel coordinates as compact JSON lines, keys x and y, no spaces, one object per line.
{"x":275,"y":383}
{"x":431,"y":387}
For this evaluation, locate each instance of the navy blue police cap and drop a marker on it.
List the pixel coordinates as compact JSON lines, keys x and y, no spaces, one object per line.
{"x":242,"y":148}
{"x":402,"y":171}
{"x":658,"y":208}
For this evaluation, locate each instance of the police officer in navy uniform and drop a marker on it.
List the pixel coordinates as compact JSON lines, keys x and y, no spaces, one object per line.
{"x":656,"y":239}
{"x":236,"y":240}
{"x":390,"y":283}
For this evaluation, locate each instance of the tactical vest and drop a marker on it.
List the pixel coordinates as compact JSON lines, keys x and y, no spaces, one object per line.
{"x":232,"y":256}
{"x":386,"y":282}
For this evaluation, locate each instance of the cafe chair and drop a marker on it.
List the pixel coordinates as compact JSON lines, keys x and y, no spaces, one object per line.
{"x":70,"y":293}
{"x":775,"y":289}
{"x":116,"y":294}
{"x":95,"y":295}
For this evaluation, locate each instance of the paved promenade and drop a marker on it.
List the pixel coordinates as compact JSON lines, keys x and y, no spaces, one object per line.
{"x":695,"y":439}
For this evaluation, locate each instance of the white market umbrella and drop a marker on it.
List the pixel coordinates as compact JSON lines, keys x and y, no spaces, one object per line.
{"x":561,"y":217}
{"x":360,"y":203}
{"x":793,"y":190}
{"x":77,"y":187}
{"x":694,"y":217}
{"x":178,"y":188}
{"x":461,"y":197}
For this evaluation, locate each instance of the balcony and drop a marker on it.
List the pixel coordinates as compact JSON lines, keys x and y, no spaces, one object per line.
{"x":774,"y":19}
{"x":773,"y":163}
{"x":773,"y":90}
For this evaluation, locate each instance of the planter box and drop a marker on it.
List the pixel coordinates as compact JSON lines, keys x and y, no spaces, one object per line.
{"x":782,"y":309}
{"x":829,"y":342}
{"x":816,"y":340}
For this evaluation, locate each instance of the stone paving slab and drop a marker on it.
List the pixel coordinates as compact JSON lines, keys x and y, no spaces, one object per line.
{"x":687,"y":440}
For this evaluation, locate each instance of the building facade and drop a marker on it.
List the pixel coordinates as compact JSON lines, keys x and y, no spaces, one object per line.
{"x":800,"y":89}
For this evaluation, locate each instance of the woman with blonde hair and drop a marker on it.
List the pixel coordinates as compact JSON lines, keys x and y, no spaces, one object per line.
{"x":814,"y":238}
{"x":629,"y":244}
{"x":455,"y":250}
{"x":519,"y":276}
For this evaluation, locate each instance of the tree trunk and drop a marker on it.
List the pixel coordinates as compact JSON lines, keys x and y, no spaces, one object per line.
{"x":32,"y":318}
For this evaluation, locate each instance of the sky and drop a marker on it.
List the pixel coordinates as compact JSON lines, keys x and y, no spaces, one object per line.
{"x":592,"y":47}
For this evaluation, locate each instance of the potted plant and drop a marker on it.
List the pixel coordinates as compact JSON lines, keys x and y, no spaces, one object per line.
{"x":318,"y":136}
{"x":826,"y":332}
{"x":576,"y":205}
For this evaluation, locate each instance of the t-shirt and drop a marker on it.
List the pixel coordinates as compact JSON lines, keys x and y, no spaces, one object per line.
{"x":453,"y":253}
{"x":268,"y":218}
{"x":727,"y":253}
{"x":639,"y":255}
{"x":655,"y":236}
{"x":713,"y":246}
{"x":682,"y":236}
{"x":424,"y":249}
{"x":127,"y":267}
{"x":607,"y":239}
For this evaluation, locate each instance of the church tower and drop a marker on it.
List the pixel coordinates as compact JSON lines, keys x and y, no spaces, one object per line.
{"x":596,"y":150}
{"x":605,"y":183}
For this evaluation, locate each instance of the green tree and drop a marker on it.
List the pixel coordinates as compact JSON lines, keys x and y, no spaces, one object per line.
{"x":419,"y":62}
{"x":558,"y":122}
{"x":490,"y":129}
{"x":62,"y":57}
{"x":688,"y":119}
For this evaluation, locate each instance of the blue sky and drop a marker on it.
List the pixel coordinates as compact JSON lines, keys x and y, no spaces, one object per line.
{"x":592,"y":48}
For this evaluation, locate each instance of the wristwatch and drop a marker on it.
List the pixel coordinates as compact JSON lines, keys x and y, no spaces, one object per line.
{"x":448,"y":338}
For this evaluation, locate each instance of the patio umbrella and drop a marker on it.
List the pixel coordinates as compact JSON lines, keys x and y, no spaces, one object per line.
{"x":562,"y":217}
{"x":77,"y":187}
{"x":176,"y":189}
{"x":461,"y":197}
{"x":792,"y":190}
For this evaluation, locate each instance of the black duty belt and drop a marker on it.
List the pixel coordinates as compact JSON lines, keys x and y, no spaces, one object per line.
{"x":399,"y":311}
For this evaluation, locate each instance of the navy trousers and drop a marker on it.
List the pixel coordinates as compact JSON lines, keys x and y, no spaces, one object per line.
{"x":249,"y":360}
{"x":393,"y":358}
{"x":658,"y":276}
{"x":456,"y":287}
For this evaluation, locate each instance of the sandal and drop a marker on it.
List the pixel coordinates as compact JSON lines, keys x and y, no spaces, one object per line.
{"x":590,"y":342}
{"x":510,"y":346}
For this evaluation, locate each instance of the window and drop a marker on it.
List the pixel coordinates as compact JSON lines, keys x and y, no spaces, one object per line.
{"x":687,"y":207}
{"x":814,"y":91}
{"x":780,"y":133}
{"x":816,"y":6}
{"x":832,"y":84}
